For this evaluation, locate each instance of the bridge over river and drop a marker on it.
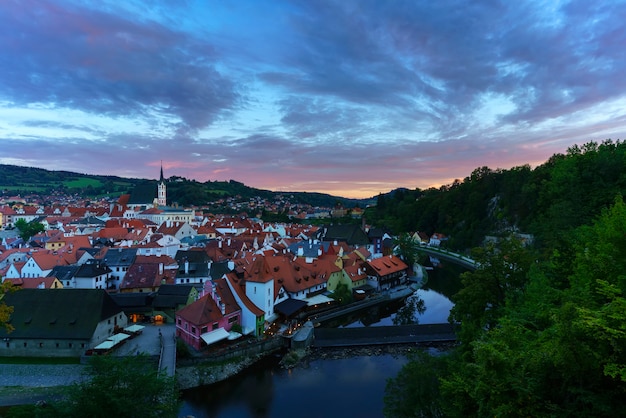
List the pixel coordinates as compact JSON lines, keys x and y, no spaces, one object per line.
{"x":383,"y":335}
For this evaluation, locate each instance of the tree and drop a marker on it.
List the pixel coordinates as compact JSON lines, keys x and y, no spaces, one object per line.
{"x":342,"y":294}
{"x":407,"y":249}
{"x":121,"y":387}
{"x":407,"y":314}
{"x":29,"y":229}
{"x":5,"y":310}
{"x":501,"y":275}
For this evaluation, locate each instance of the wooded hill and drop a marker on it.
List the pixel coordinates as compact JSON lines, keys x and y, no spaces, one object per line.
{"x":541,"y":328}
{"x":20,"y":180}
{"x":566,"y":191}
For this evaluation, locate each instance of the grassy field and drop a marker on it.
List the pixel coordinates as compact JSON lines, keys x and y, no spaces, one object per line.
{"x":82,"y":182}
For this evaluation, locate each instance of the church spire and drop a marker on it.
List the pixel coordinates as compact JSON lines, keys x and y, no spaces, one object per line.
{"x":162,"y":189}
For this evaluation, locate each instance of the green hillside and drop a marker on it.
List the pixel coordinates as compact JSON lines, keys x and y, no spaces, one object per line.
{"x":566,"y":191}
{"x":18,"y":180}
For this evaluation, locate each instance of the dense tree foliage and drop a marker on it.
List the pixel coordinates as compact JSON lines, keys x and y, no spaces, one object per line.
{"x":547,"y":201}
{"x":541,"y":335}
{"x":114,"y":387}
{"x":28,"y":229}
{"x":5,"y":310}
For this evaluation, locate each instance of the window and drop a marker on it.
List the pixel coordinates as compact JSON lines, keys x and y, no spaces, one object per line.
{"x":40,"y":345}
{"x":57,"y":345}
{"x":215,"y":326}
{"x":25,"y":344}
{"x":232,"y":319}
{"x":193,"y":330}
{"x":82,"y":345}
{"x":70,"y":345}
{"x":178,"y":321}
{"x":204,"y":330}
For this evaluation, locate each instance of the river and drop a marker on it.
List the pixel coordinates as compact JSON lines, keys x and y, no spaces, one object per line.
{"x":329,"y":387}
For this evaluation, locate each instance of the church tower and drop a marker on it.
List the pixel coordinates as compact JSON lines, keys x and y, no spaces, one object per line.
{"x":161,"y":190}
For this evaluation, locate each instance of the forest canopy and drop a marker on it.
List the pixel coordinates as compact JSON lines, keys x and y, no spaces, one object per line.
{"x":542,"y":327}
{"x":566,"y":191}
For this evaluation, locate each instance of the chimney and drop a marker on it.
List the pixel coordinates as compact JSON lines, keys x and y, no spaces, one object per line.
{"x":160,"y":268}
{"x":222,"y":308}
{"x":300,"y":251}
{"x":186,"y":267}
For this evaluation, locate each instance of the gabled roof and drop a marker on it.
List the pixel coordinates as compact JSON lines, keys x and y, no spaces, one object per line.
{"x":58,"y":314}
{"x":219,"y":269}
{"x":226,"y":296}
{"x":172,"y":296}
{"x":120,"y":256}
{"x":386,"y":265}
{"x":193,"y":255}
{"x":64,"y":273}
{"x":47,"y":260}
{"x":201,"y":312}
{"x":146,"y":275}
{"x":92,"y":268}
{"x":231,"y":278}
{"x":351,"y":234}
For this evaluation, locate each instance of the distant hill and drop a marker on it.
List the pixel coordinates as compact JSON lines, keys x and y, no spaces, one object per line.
{"x":18,"y":180}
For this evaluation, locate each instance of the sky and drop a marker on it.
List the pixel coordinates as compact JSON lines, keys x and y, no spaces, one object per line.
{"x":348,"y":97}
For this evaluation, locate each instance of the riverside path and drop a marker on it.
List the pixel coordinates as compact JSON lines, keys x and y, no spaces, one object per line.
{"x":449,"y":256}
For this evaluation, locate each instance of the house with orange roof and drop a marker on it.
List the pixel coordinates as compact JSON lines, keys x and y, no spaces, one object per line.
{"x":136,"y":236}
{"x":356,"y":274}
{"x":178,"y":230}
{"x":209,"y":319}
{"x":386,"y":272}
{"x":111,"y":234}
{"x":41,"y":263}
{"x":320,"y":272}
{"x":62,"y":240}
{"x":6,"y":216}
{"x":208,"y":231}
{"x":27,"y":213}
{"x":436,"y":239}
{"x":146,"y":277}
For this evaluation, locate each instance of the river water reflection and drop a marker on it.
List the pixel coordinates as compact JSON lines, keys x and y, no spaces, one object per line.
{"x":348,"y":387}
